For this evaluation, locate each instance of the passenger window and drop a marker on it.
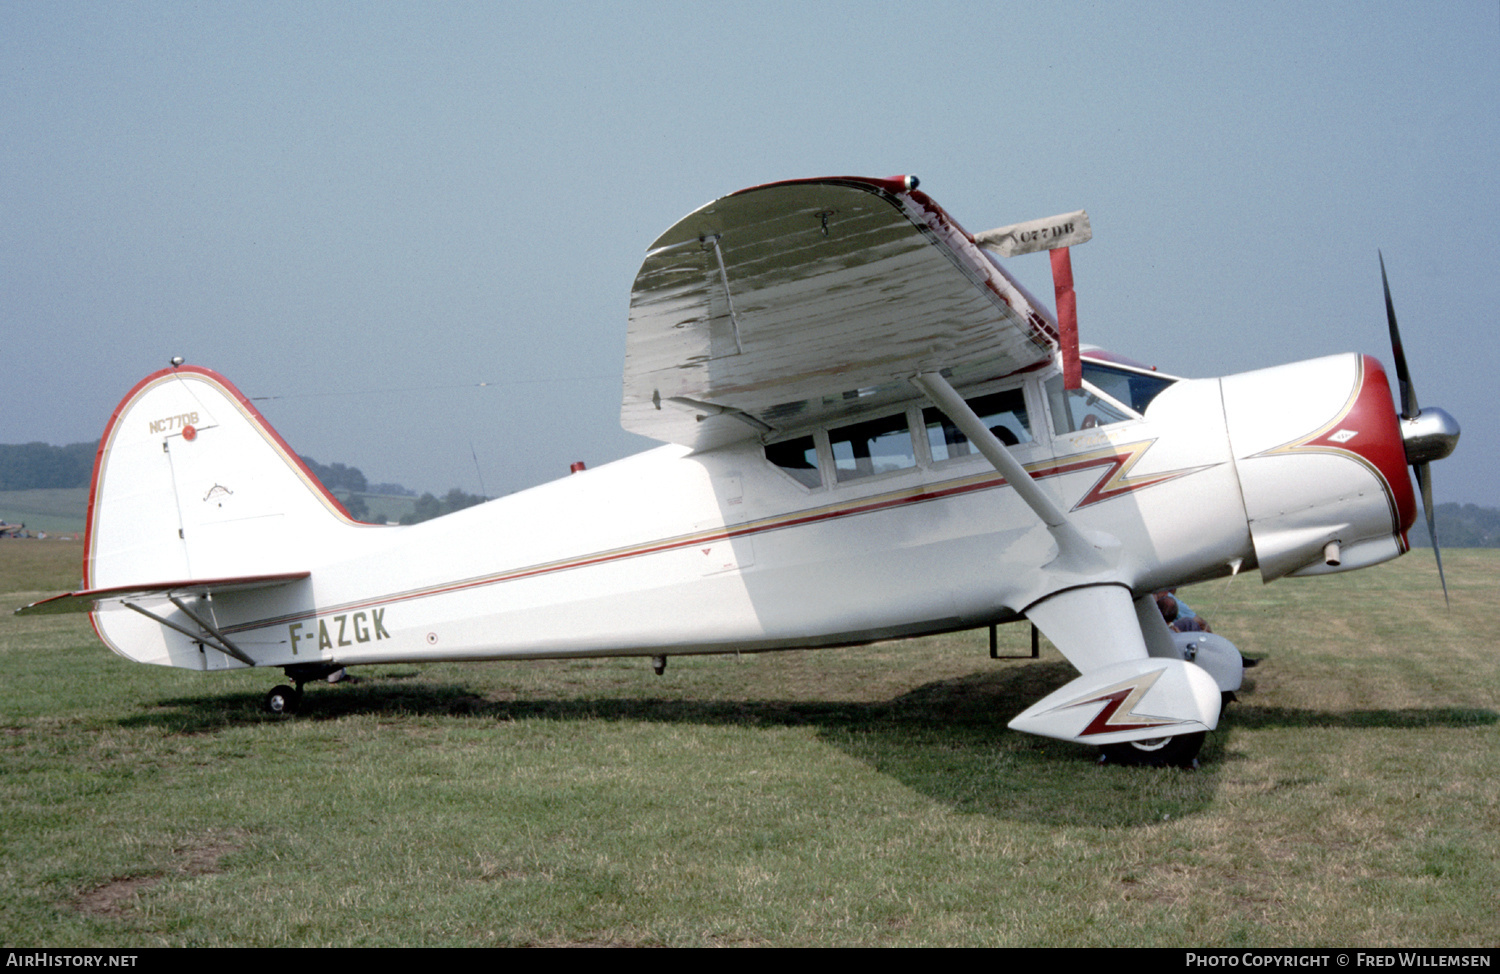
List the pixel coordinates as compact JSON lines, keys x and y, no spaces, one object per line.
{"x":1079,"y":409}
{"x":872,"y":447}
{"x":1004,"y":413}
{"x":799,"y":458}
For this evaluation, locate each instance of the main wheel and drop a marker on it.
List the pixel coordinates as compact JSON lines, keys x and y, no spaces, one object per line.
{"x":283,"y":700}
{"x":1180,"y":751}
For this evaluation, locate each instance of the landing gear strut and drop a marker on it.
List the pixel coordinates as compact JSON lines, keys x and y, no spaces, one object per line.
{"x":288,"y":700}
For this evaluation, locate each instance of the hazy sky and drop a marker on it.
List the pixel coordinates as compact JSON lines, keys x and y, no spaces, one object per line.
{"x":364,"y":211}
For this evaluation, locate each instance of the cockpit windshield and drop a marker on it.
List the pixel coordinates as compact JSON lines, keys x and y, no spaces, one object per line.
{"x":1133,"y":389}
{"x":1079,"y":409}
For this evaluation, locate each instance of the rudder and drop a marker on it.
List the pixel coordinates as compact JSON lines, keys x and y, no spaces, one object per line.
{"x":190,"y":481}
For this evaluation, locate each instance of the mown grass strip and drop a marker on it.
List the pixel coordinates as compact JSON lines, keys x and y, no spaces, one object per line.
{"x":868,"y":796}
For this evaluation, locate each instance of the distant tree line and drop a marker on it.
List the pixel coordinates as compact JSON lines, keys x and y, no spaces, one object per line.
{"x":336,"y":476}
{"x":39,"y":466}
{"x":429,"y":507}
{"x":1460,"y":526}
{"x":350,"y":483}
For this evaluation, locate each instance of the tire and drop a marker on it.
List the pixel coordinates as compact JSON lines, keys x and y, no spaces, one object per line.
{"x":1157,"y":752}
{"x":283,"y":700}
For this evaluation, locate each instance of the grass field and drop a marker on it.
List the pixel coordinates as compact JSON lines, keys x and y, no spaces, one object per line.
{"x":55,"y":511}
{"x":867,"y":796}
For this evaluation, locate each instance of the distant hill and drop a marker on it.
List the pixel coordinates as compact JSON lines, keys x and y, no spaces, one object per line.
{"x":336,"y":476}
{"x":39,"y":470}
{"x":1460,"y":526}
{"x":46,"y":487}
{"x":41,"y":466}
{"x":53,"y":510}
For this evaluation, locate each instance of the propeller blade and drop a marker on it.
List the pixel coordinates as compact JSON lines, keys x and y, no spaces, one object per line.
{"x":1409,"y":407}
{"x":1421,"y":445}
{"x":1424,"y":482}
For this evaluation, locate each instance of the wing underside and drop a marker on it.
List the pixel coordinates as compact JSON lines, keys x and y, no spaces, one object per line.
{"x":782,"y":306}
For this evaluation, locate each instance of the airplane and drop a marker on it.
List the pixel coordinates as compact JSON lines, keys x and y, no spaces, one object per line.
{"x":870,"y":431}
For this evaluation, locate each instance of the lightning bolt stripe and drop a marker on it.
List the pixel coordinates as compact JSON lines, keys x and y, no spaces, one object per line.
{"x":1118,"y":710}
{"x":1115,"y":481}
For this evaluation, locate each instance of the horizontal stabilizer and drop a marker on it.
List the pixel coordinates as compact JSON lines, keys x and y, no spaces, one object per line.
{"x":89,"y":599}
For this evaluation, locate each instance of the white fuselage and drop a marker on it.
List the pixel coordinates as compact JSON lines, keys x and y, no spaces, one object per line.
{"x":672,"y":551}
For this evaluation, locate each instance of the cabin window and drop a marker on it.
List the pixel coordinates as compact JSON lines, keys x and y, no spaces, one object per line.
{"x":1004,"y":413}
{"x":1134,"y":389}
{"x":875,"y":446}
{"x":799,"y":458}
{"x":1080,"y":409}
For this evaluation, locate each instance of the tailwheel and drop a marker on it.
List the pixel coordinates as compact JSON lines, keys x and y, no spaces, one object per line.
{"x":283,"y":700}
{"x":1180,"y":751}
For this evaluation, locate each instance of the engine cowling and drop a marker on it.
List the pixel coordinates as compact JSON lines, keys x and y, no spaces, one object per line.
{"x":1322,"y":465}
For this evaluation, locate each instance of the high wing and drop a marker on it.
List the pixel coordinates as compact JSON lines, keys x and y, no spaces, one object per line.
{"x":782,"y":306}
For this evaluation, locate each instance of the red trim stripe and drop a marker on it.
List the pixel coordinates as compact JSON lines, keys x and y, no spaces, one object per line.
{"x":1112,"y":483}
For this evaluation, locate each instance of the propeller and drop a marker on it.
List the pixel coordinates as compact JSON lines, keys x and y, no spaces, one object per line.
{"x":1427,"y":435}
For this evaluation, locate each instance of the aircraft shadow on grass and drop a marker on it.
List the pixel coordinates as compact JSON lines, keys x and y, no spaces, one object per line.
{"x":1408,"y":718}
{"x":980,"y":702}
{"x":946,"y":739}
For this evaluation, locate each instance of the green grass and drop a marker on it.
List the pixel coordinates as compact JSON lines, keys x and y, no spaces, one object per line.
{"x":55,"y":511}
{"x":867,"y":796}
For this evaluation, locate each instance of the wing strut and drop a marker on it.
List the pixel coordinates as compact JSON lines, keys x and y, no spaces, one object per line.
{"x":1122,"y":693}
{"x":1075,"y":553}
{"x":213,"y":636}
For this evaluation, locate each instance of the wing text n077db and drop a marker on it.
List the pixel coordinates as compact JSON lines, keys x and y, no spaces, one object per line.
{"x":784,"y":306}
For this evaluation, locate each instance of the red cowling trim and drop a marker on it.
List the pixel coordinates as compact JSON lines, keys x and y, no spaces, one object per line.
{"x":1388,"y":451}
{"x":1379,"y":442}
